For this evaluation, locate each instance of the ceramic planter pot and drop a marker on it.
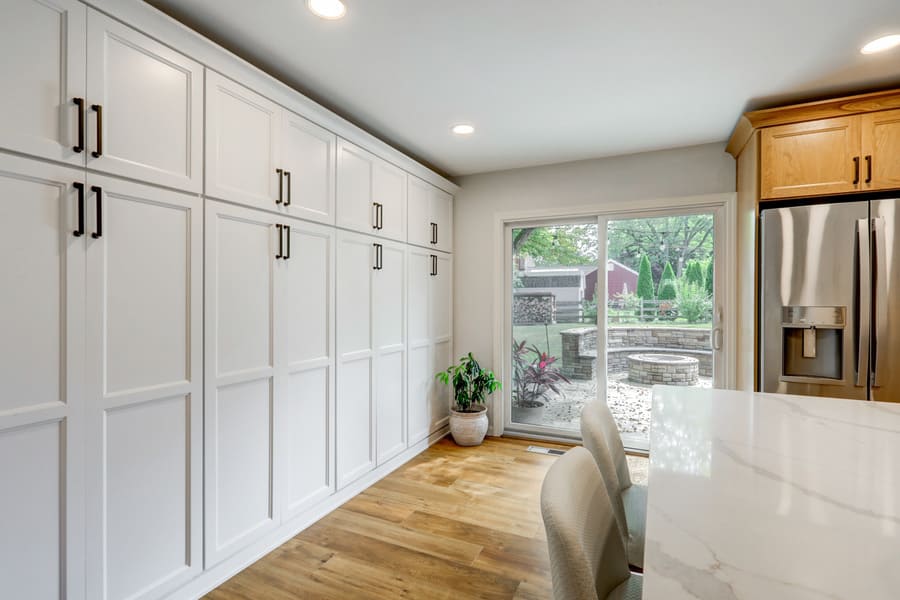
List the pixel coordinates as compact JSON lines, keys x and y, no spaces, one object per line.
{"x":469,"y":428}
{"x":531,"y":412}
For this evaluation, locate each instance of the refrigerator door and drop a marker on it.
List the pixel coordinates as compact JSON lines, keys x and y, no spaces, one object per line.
{"x":814,"y":300}
{"x":886,"y":301}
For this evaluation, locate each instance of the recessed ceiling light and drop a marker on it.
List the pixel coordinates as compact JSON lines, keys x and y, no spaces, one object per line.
{"x":327,"y":9}
{"x":463,"y":129}
{"x":881,"y":44}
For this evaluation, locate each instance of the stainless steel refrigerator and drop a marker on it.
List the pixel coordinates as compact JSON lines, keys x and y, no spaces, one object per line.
{"x":830,"y":300}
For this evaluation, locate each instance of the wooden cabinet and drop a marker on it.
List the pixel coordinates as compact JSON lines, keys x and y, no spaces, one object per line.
{"x":430,"y":216}
{"x":371,"y":193}
{"x":881,"y":150}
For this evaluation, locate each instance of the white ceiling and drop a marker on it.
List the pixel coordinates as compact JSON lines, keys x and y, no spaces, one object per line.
{"x":559,"y":80}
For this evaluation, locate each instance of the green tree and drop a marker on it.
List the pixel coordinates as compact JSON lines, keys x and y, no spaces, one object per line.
{"x":693,"y":275}
{"x":667,"y":287}
{"x":708,"y":282}
{"x":559,"y":245}
{"x":679,"y":239}
{"x":645,"y":280}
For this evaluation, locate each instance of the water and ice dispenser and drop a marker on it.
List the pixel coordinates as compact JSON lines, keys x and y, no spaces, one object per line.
{"x":812,"y":342}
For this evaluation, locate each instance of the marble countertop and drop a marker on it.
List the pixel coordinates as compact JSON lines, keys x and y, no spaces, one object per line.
{"x":768,"y":496}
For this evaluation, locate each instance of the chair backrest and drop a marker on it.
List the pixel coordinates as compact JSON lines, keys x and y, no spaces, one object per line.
{"x":599,"y":413}
{"x":593,"y":436}
{"x":587,"y":556}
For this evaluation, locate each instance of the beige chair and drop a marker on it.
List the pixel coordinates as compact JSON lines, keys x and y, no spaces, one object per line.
{"x":587,"y":556}
{"x":600,"y":436}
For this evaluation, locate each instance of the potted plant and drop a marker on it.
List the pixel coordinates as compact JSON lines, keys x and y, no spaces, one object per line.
{"x":534,"y":373}
{"x":471,"y":384}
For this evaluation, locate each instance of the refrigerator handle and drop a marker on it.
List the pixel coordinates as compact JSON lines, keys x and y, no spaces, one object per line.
{"x":863,"y":301}
{"x":881,"y":301}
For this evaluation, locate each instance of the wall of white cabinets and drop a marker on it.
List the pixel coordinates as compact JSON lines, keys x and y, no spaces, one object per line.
{"x":223,"y":311}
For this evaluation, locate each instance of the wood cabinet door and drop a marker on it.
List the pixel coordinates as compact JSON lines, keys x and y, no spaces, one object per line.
{"x":306,"y":365}
{"x":811,"y":159}
{"x":389,"y":333}
{"x":43,"y":47}
{"x":240,"y":387}
{"x":149,"y":121}
{"x":143,"y":348}
{"x":243,"y":132}
{"x":41,"y":381}
{"x":308,"y":160}
{"x":355,"y":417}
{"x":881,"y":150}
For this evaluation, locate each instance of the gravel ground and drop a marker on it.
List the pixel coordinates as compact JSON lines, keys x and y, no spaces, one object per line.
{"x":629,"y":402}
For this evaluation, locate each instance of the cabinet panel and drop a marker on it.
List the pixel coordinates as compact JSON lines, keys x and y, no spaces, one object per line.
{"x":812,"y":158}
{"x":37,"y":112}
{"x":389,"y":298}
{"x":389,"y":190}
{"x":242,"y":144}
{"x":388,"y":308}
{"x":355,"y":208}
{"x":419,"y":212}
{"x":309,"y":154}
{"x":309,"y":427}
{"x":308,"y":315}
{"x":152,"y":107}
{"x":354,"y":420}
{"x":440,"y":393}
{"x":442,"y":215}
{"x":880,"y":148}
{"x":390,"y":419}
{"x":441,"y":298}
{"x":419,"y":313}
{"x":420,"y":378}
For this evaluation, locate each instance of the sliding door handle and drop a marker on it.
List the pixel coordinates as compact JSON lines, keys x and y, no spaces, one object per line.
{"x":287,"y":174}
{"x":280,"y":254}
{"x":855,"y":170}
{"x":80,"y":187}
{"x":869,"y":168}
{"x":280,"y":174}
{"x":99,"y":194}
{"x":79,"y":102}
{"x":287,"y":246}
{"x":99,"y":110}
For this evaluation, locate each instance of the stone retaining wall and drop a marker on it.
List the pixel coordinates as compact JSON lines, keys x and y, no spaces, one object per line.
{"x":530,"y":308}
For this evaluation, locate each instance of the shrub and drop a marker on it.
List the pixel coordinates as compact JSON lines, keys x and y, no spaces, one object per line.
{"x":667,"y":286}
{"x":645,"y":280}
{"x":694,"y":304}
{"x":693,"y":274}
{"x":708,"y":281}
{"x":534,"y":373}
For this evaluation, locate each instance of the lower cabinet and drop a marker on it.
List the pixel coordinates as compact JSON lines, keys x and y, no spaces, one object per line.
{"x":269,"y":416}
{"x":371,"y":350}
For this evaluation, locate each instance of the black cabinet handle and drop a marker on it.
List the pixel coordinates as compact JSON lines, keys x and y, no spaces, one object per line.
{"x":287,"y":234}
{"x":80,"y":187}
{"x":280,"y":242}
{"x":99,"y":192}
{"x":434,"y":264}
{"x":377,"y":206}
{"x":380,"y":216}
{"x":288,"y":201}
{"x":855,"y":170}
{"x":99,"y":110}
{"x":280,"y":174}
{"x":869,"y":168}
{"x":434,"y":233}
{"x":79,"y":102}
{"x":378,"y":257}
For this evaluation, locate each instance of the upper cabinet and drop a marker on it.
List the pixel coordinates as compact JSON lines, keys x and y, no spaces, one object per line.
{"x":881,"y":150}
{"x":430,"y":216}
{"x":371,"y":193}
{"x":308,"y":167}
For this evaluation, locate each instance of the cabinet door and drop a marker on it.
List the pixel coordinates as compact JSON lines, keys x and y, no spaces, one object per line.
{"x":151,"y":99}
{"x":442,"y":217}
{"x":440,"y":313}
{"x":881,"y":147}
{"x":355,"y":418}
{"x":242,"y":144}
{"x":419,"y":212}
{"x":41,"y":385}
{"x":355,"y":206}
{"x":419,"y":340}
{"x":240,"y":489}
{"x":43,"y":49}
{"x":307,"y":321}
{"x":389,"y":332}
{"x":143,"y":348}
{"x":389,"y":190}
{"x":811,"y":159}
{"x":308,"y":158}
{"x":439,"y":394}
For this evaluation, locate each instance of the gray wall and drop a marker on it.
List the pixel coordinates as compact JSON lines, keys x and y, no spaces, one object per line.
{"x":604,"y":182}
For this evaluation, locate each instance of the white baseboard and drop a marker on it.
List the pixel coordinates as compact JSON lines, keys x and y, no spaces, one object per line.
{"x":218,"y":574}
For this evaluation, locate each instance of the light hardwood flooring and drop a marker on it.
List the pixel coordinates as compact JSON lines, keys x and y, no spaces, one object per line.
{"x":452,"y":523}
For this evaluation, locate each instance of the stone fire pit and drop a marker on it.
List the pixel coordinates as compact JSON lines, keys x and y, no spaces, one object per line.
{"x":668,"y":369}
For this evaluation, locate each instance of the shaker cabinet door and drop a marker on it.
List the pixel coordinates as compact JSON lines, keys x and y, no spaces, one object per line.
{"x":881,"y":149}
{"x":308,"y":160}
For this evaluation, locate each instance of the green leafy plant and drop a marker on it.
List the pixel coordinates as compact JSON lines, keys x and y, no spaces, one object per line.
{"x":589,"y":310}
{"x":534,"y":373}
{"x":694,"y":304}
{"x":471,"y":384}
{"x":667,"y":287}
{"x":708,"y":282}
{"x":645,"y":280}
{"x":693,"y":274}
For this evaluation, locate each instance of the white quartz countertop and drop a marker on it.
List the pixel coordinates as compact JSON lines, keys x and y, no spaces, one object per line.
{"x":767,"y":496}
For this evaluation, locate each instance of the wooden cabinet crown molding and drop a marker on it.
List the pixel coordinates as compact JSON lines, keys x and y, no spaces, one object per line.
{"x":809,"y":111}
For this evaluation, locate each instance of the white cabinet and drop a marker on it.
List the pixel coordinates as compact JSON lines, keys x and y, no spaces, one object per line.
{"x":371,"y":193}
{"x":371,"y":350}
{"x":308,"y":165}
{"x":143,"y":349}
{"x":430,"y":216}
{"x":430,"y":341}
{"x":43,"y":71}
{"x":41,"y":381}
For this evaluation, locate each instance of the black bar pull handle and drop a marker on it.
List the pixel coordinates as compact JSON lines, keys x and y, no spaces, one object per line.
{"x":288,"y":201}
{"x":99,"y":110}
{"x":280,"y":174}
{"x":434,"y":264}
{"x":80,"y":187}
{"x":434,"y":234}
{"x":99,"y":192}
{"x":869,"y":168}
{"x":380,"y":216}
{"x":280,"y":242}
{"x":376,"y":217}
{"x":855,"y":170}
{"x":378,"y":257}
{"x":79,"y":102}
{"x":287,"y":234}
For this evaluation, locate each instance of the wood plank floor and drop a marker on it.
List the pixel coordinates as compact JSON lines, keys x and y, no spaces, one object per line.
{"x":452,"y":523}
